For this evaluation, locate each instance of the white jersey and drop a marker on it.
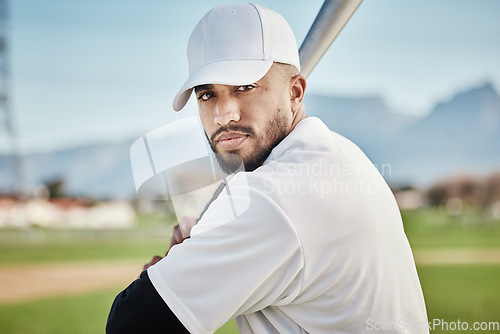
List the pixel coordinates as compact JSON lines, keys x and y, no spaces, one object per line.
{"x":318,"y":248}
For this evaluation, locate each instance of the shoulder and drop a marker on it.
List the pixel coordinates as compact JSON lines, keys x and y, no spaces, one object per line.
{"x":244,"y":206}
{"x":311,"y":140}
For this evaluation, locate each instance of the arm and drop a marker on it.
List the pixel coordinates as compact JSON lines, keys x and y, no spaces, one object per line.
{"x":140,"y":309}
{"x":229,"y":266}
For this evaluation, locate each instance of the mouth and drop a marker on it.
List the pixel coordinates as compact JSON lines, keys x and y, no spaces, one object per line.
{"x":230,"y":140}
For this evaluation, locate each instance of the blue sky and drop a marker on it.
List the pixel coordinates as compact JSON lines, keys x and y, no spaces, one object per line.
{"x":89,"y":71}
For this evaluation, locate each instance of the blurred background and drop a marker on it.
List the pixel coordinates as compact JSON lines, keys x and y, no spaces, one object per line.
{"x":414,"y":84}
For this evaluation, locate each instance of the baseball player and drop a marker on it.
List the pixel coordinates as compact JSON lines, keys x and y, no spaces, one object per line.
{"x":316,"y":243}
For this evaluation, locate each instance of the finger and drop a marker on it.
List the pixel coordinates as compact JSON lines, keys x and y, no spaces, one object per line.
{"x":186,"y":224}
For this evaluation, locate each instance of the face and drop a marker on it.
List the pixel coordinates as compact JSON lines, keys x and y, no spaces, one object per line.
{"x":244,"y":123}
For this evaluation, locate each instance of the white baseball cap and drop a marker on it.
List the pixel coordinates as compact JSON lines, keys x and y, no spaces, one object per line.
{"x":236,"y":45}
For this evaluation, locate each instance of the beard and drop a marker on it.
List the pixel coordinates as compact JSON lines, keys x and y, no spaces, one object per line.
{"x":274,"y":132}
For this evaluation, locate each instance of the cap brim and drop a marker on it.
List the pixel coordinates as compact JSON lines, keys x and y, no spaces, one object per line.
{"x":228,"y":72}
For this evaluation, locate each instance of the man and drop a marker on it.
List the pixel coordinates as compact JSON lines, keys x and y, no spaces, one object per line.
{"x":319,"y":245}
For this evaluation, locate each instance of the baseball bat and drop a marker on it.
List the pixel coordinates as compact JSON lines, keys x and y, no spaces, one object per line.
{"x":331,"y":19}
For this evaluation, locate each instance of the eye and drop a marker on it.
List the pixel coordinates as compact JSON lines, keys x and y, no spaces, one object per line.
{"x":205,"y":96}
{"x":245,"y":88}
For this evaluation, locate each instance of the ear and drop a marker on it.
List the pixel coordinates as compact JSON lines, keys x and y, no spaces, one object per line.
{"x":297,"y":90}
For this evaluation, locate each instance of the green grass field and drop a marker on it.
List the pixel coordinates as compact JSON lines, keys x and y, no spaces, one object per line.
{"x":452,"y":292}
{"x":435,"y":228}
{"x":48,"y":246}
{"x":465,"y":293}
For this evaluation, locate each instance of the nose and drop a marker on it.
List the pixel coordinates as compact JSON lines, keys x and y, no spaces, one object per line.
{"x":226,"y":110}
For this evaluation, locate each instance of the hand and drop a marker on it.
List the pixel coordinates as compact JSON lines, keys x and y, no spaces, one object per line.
{"x":186,"y":224}
{"x":180,"y":232}
{"x":154,"y":260}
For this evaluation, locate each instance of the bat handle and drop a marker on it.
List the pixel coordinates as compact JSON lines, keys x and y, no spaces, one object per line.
{"x":214,"y":196}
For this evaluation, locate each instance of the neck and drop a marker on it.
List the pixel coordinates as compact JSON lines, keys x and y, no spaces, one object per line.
{"x":298,"y":116}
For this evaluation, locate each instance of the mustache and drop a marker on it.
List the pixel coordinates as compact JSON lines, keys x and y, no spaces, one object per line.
{"x":232,"y":127}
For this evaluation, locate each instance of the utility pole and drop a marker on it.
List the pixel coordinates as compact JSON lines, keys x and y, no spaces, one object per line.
{"x":10,"y":164}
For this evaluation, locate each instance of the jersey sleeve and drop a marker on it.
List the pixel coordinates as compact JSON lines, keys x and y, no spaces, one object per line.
{"x":231,"y":266}
{"x":140,"y":309}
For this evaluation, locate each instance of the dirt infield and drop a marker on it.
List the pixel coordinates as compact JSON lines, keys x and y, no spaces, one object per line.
{"x":456,"y":256}
{"x":31,"y":282}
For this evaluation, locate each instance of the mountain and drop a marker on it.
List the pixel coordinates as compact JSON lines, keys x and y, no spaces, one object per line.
{"x":462,"y":134}
{"x":101,"y":171}
{"x":366,"y":121}
{"x":458,"y":135}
